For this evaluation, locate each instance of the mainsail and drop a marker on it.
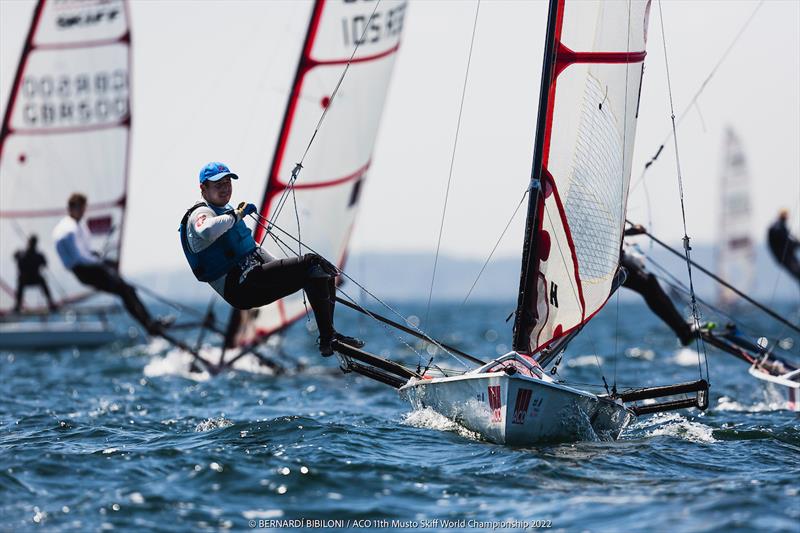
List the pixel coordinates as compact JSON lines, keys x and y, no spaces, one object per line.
{"x":333,"y":174}
{"x":582,"y":161}
{"x":66,"y":129}
{"x":735,"y":252}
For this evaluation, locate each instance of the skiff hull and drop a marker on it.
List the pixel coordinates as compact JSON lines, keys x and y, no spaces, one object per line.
{"x":55,"y":334}
{"x":519,"y":410}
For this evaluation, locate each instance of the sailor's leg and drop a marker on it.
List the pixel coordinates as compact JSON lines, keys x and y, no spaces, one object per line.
{"x":792,"y":266}
{"x":106,"y":279}
{"x":647,"y":285}
{"x":20,"y":288}
{"x":46,"y":290}
{"x":279,"y":278}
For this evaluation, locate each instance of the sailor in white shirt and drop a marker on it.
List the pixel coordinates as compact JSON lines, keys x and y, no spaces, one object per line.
{"x":73,"y":246}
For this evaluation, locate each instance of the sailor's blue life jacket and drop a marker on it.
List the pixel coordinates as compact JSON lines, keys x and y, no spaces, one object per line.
{"x":224,"y":253}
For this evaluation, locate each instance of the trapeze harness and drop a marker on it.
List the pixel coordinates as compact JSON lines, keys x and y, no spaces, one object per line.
{"x":225,"y":253}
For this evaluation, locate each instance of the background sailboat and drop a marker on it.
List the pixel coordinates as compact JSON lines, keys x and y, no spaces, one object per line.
{"x":735,"y":253}
{"x":66,"y":129}
{"x":320,"y":208}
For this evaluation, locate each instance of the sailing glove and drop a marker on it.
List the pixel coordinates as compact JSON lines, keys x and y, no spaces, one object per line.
{"x":243,"y":210}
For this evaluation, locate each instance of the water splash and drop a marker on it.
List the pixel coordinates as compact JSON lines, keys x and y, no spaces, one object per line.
{"x":213,"y":423}
{"x":676,"y":425}
{"x":427,"y":418}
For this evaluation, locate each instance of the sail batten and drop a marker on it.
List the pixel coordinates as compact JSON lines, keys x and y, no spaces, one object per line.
{"x":596,"y":50}
{"x":66,"y":129}
{"x":336,"y":167}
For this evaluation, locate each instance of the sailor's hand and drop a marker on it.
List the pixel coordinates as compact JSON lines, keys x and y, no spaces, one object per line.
{"x":636,"y":229}
{"x":245,"y":209}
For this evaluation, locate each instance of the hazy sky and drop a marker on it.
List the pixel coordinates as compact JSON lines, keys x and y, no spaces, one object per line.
{"x":210,"y":81}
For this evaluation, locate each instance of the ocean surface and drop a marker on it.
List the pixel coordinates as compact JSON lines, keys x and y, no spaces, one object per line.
{"x":126,"y":437}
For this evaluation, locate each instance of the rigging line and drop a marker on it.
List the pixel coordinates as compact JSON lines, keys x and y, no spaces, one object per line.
{"x":622,"y":181}
{"x":452,"y":161}
{"x":716,"y":278}
{"x":675,"y":284}
{"x":496,"y":244}
{"x":353,"y":305}
{"x":383,"y":303}
{"x":686,"y":248}
{"x":697,"y":94}
{"x":299,"y":165}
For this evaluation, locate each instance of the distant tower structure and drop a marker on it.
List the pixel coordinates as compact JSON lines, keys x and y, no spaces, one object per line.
{"x":735,"y":253}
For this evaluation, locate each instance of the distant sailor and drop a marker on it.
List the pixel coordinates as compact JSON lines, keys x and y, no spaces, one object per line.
{"x":72,"y":244}
{"x":783,"y":245}
{"x":221,"y":250}
{"x":646,"y":284}
{"x":29,"y":265}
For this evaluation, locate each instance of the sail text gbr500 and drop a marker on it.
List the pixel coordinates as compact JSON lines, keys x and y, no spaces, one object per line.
{"x":321,"y":206}
{"x":66,"y":129}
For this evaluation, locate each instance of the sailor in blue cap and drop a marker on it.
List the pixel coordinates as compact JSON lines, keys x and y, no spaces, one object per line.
{"x":221,"y":251}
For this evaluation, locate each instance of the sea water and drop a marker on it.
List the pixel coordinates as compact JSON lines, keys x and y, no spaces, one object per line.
{"x":126,"y":437}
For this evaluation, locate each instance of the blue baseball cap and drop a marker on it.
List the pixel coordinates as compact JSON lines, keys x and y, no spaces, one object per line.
{"x":216,"y":171}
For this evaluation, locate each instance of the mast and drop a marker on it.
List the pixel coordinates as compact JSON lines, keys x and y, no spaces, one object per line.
{"x":525,"y":315}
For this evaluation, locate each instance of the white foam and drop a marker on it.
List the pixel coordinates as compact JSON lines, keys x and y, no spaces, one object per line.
{"x":773,"y":402}
{"x":686,"y":357}
{"x":174,"y":362}
{"x":213,"y":423}
{"x":676,"y":425}
{"x":584,"y":360}
{"x":262,"y":513}
{"x":429,"y":419}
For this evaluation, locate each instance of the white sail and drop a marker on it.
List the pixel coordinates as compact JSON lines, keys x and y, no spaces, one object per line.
{"x":735,"y":252}
{"x":66,"y":129}
{"x":327,"y":191}
{"x":590,"y":126}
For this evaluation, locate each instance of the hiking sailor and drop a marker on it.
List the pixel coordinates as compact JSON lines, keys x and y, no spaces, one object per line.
{"x":221,"y":250}
{"x":29,"y":263}
{"x":783,"y":245}
{"x":72,"y":244}
{"x":638,"y":279}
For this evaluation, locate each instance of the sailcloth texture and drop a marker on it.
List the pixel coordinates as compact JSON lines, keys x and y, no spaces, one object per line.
{"x":328,"y":189}
{"x":588,"y":145}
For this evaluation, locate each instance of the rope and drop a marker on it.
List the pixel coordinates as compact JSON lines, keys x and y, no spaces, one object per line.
{"x":686,"y":247}
{"x":496,"y":244}
{"x":366,"y":291}
{"x":697,"y":94}
{"x":452,"y":162}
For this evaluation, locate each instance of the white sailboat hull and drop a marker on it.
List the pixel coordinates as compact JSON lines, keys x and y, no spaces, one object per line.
{"x":55,"y":334}
{"x":787,"y":385}
{"x":519,"y":410}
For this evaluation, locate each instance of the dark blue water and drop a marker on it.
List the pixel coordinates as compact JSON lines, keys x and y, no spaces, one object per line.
{"x":120,"y":438}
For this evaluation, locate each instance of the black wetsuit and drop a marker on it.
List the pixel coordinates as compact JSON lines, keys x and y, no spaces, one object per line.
{"x":29,"y":264}
{"x":104,"y":277}
{"x":275,"y":279}
{"x":646,"y":284}
{"x":784,"y":247}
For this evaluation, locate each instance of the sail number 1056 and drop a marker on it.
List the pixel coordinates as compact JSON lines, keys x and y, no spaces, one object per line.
{"x":361,"y":29}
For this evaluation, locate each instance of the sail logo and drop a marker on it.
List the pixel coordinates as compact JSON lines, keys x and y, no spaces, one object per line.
{"x":383,"y":25}
{"x":521,"y":406}
{"x":82,"y":14}
{"x":495,"y":403}
{"x":83,"y":99}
